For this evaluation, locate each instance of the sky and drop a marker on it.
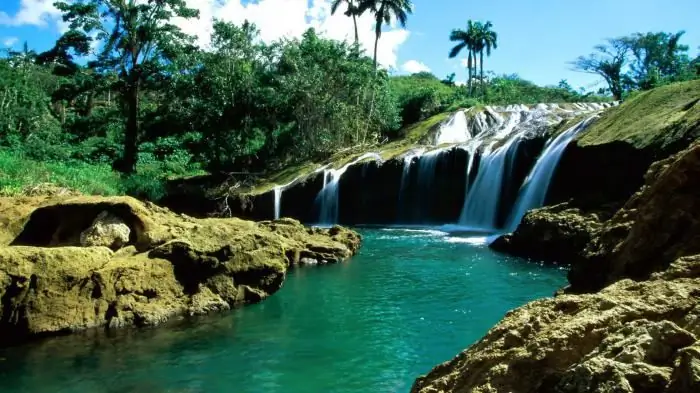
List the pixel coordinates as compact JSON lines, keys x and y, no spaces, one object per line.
{"x":536,"y":38}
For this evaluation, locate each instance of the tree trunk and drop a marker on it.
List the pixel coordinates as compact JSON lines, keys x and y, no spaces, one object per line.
{"x":132,"y":128}
{"x":357,"y":36}
{"x":481,"y":65}
{"x":89,"y":103}
{"x":469,"y":67}
{"x":376,"y":43}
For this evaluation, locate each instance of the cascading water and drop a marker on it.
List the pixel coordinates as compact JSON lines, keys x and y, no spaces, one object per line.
{"x":455,"y":131}
{"x":480,"y":211}
{"x":492,"y":139}
{"x":534,"y":189}
{"x":278,"y":201}
{"x":427,"y":164}
{"x":327,"y":198}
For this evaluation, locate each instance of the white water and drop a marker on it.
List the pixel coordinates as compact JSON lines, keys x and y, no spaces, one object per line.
{"x":534,"y":189}
{"x":454,"y":131}
{"x":327,"y":198}
{"x":480,"y":211}
{"x":278,"y":201}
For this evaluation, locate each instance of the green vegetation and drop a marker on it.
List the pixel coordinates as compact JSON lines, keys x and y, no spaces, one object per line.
{"x":20,"y":176}
{"x":656,"y":117}
{"x":384,"y":11}
{"x":476,"y":39}
{"x":125,"y":101}
{"x":640,"y":62}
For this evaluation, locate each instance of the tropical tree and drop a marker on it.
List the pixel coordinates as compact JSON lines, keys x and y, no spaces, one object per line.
{"x":352,"y":10}
{"x":607,"y":62}
{"x":465,"y":39}
{"x":485,"y":39}
{"x":384,"y":11}
{"x":133,"y":38}
{"x":657,"y":57}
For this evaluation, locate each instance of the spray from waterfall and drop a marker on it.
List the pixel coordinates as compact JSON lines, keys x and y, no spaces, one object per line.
{"x":327,"y":198}
{"x":534,"y":190}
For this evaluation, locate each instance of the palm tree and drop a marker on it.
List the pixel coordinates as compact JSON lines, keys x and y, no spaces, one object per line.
{"x":352,"y":10}
{"x":383,"y":11}
{"x":466,"y":40}
{"x":484,"y":39}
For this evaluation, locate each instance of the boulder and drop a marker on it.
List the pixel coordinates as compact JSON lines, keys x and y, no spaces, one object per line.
{"x":107,"y":230}
{"x":556,"y":234}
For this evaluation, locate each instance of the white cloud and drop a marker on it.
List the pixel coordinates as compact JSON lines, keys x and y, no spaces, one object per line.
{"x":9,"y":41}
{"x":415,"y":66}
{"x":290,"y":18}
{"x":461,"y":83}
{"x":32,"y":12}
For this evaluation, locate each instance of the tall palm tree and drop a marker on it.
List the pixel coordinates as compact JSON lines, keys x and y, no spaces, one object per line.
{"x":465,"y":39}
{"x":352,"y":10}
{"x":383,"y":11}
{"x":485,"y":39}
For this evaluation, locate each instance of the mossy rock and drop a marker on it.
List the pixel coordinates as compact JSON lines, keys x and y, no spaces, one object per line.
{"x":173,"y":265}
{"x":660,"y":118}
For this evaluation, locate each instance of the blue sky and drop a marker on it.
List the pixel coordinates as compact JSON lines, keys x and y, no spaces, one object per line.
{"x":536,"y":38}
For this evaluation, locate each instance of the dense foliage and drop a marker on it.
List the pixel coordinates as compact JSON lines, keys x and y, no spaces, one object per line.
{"x":125,"y":89}
{"x":640,"y":62}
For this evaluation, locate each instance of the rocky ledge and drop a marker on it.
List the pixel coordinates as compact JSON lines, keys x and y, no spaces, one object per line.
{"x":630,"y":319}
{"x":86,"y":262}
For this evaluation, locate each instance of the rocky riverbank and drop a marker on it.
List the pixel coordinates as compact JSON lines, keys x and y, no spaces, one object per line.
{"x":628,"y":322}
{"x":71,"y":263}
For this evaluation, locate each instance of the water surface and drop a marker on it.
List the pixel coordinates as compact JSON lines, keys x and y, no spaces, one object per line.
{"x":408,"y":301}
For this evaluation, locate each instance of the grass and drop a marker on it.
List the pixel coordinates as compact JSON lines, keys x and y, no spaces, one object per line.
{"x":22,"y":176}
{"x":19,"y":176}
{"x":658,"y":117}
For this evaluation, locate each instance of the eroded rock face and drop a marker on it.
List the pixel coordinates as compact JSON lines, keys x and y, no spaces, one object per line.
{"x":656,"y":226}
{"x":170,"y":265}
{"x":629,"y":337}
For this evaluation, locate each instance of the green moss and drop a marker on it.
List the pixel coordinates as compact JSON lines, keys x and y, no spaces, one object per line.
{"x":656,"y":118}
{"x":419,"y":131}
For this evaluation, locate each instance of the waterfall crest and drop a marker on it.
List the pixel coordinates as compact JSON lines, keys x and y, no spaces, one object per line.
{"x":327,"y":198}
{"x":534,"y":190}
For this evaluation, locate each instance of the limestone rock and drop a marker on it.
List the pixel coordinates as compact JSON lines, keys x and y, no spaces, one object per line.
{"x":655,"y":227}
{"x":174,"y":265}
{"x":629,"y":337}
{"x":619,"y":335}
{"x":553,"y":234}
{"x":107,"y":230}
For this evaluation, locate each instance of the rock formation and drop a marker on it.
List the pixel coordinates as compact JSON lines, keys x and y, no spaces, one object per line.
{"x":636,"y":327}
{"x":57,"y":277}
{"x":107,"y":230}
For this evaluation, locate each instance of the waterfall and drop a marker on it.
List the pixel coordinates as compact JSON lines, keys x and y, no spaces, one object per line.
{"x":535,"y":187}
{"x":480,"y":209}
{"x":455,"y":131}
{"x":471,"y":150}
{"x":327,"y":198}
{"x":278,"y":201}
{"x":426,"y":176}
